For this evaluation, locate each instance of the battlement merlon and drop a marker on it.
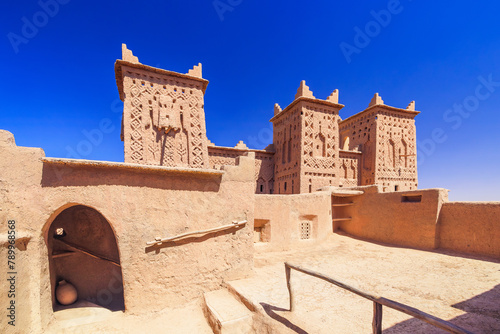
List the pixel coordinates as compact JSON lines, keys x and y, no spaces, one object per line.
{"x":163,"y":114}
{"x":380,"y":107}
{"x":132,"y":62}
{"x":336,"y":106}
{"x":120,"y":65}
{"x":304,"y":94}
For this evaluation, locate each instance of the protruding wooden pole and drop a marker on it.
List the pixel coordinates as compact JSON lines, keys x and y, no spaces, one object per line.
{"x":288,"y":285}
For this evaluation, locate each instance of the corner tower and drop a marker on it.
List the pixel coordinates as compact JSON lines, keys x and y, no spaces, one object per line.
{"x":305,"y":138}
{"x":386,"y":136}
{"x":163,"y":117}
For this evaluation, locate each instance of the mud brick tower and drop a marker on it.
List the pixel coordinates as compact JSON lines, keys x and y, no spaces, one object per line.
{"x":306,"y":137}
{"x":387,"y":137}
{"x":163,"y":116}
{"x":164,"y":124}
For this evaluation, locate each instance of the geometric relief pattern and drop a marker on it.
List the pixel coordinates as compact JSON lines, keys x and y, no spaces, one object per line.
{"x":309,"y":134}
{"x":319,"y":140}
{"x":320,"y":163}
{"x":196,"y":135}
{"x":221,"y":161}
{"x":135,"y":125}
{"x":165,"y":124}
{"x":397,"y":156}
{"x":387,"y":142}
{"x":349,"y":168}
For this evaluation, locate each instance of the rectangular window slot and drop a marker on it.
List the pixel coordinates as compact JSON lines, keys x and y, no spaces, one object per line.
{"x":411,"y":199}
{"x":342,"y":204}
{"x":262,"y":230}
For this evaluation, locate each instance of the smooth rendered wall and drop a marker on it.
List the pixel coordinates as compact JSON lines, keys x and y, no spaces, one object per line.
{"x":20,"y":189}
{"x":470,"y":227}
{"x":285,"y":213}
{"x":394,"y":218}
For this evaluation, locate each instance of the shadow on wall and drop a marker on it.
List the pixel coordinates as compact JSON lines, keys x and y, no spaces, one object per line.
{"x":80,"y":176}
{"x":156,"y":248}
{"x":483,"y":316}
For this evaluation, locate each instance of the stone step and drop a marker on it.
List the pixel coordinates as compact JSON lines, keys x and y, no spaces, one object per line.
{"x":82,"y":313}
{"x":226,"y":314}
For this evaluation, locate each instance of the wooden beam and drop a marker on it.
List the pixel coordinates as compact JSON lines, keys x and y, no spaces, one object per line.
{"x":63,"y":254}
{"x":86,"y":251}
{"x":341,"y":219}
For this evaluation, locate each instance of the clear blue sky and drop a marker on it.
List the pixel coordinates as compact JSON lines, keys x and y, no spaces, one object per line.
{"x":58,"y":76}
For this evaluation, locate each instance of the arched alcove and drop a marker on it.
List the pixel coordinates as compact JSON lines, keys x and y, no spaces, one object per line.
{"x":261,"y":186}
{"x":320,"y":146}
{"x":83,"y":251}
{"x":345,"y":145}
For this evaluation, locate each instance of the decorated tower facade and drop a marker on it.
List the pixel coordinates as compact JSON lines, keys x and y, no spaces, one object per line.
{"x":386,"y":136}
{"x":163,"y":114}
{"x":305,"y":138}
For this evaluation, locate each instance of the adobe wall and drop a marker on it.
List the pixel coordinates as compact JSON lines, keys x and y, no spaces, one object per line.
{"x":470,"y":227}
{"x":140,"y":203}
{"x":396,"y":217}
{"x":20,"y":190}
{"x":284,"y":215}
{"x":264,"y":164}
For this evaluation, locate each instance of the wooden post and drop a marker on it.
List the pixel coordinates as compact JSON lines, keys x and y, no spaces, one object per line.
{"x":288,"y":285}
{"x":377,"y":318}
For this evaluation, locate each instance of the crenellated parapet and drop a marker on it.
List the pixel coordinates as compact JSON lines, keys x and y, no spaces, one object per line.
{"x":305,"y":138}
{"x":164,"y":124}
{"x":386,"y":136}
{"x":163,"y":115}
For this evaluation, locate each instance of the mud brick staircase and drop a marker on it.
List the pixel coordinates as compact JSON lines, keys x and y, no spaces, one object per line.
{"x":226,"y":314}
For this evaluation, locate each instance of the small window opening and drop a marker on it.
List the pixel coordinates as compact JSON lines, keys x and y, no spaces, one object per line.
{"x":411,"y":199}
{"x":305,"y":230}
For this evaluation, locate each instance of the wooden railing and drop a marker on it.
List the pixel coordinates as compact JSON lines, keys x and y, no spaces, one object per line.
{"x":378,"y":302}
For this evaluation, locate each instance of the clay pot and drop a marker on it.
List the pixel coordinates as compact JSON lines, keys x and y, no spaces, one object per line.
{"x":66,"y":293}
